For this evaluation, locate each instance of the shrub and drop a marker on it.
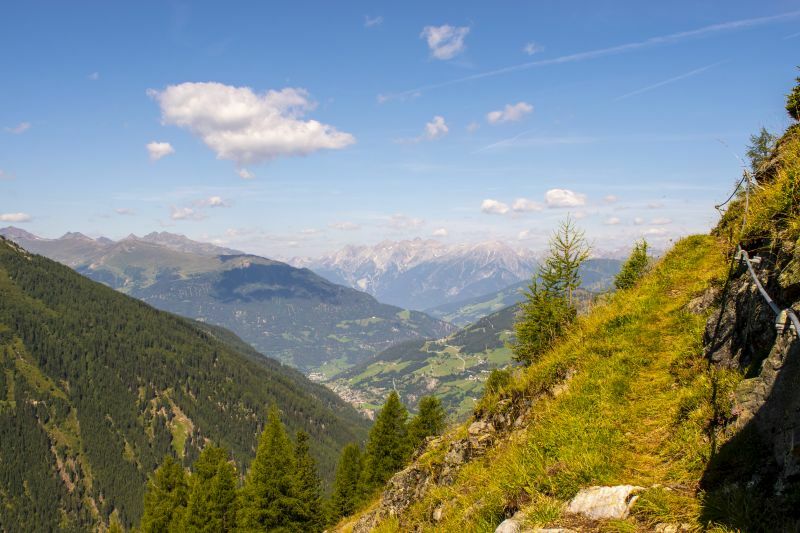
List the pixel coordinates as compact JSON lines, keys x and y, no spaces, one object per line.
{"x":634,"y":268}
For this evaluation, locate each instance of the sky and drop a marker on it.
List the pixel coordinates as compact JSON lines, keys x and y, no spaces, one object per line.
{"x":294,"y":128}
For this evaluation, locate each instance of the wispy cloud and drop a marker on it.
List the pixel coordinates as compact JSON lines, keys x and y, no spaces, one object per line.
{"x":611,"y":50}
{"x":792,"y":36}
{"x":22,"y":127}
{"x":15,"y":217}
{"x":668,"y":81}
{"x":532,"y":48}
{"x":371,"y":22}
{"x":445,"y":42}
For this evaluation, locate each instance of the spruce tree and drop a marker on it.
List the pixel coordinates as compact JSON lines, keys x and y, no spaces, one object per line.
{"x":267,"y":499}
{"x":212,"y":494}
{"x":429,"y":421}
{"x":165,"y":498}
{"x":388,"y":447}
{"x":634,"y":268}
{"x":346,"y":493}
{"x":307,"y":487}
{"x":793,"y":101}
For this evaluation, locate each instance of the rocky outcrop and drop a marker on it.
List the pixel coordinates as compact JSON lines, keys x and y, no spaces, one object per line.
{"x":741,"y":334}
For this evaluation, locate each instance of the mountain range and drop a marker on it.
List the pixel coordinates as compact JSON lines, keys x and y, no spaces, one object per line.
{"x":422,"y":274}
{"x":97,"y":387}
{"x":287,"y":313}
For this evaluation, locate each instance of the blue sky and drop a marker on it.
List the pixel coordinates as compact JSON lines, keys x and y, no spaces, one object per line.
{"x":295,"y":128}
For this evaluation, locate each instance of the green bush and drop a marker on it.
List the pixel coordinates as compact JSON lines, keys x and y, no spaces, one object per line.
{"x":634,"y":268}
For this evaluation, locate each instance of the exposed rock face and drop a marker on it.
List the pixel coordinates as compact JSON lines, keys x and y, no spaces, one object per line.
{"x":741,"y":334}
{"x":605,"y":503}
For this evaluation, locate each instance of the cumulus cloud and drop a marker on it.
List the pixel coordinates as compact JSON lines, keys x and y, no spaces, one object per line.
{"x":157,"y":150}
{"x":371,"y":22}
{"x":655,"y":205}
{"x":185,"y":213}
{"x":526,"y":234}
{"x":531,"y":48}
{"x":22,"y":127}
{"x":612,"y":221}
{"x":15,"y":217}
{"x":655,"y":232}
{"x":661,"y":221}
{"x":124,"y":211}
{"x":522,"y":205}
{"x":246,"y":127}
{"x":436,"y":128}
{"x":344,"y":226}
{"x":439,"y":232}
{"x":610,"y":199}
{"x":445,"y":42}
{"x":245,"y":174}
{"x":473,"y":126}
{"x":494,"y":207}
{"x":510,"y":113}
{"x":214,"y":201}
{"x":564,"y":198}
{"x":638,"y":221}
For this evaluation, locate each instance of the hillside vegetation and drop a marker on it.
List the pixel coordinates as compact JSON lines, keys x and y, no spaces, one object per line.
{"x":678,"y":385}
{"x":96,"y":388}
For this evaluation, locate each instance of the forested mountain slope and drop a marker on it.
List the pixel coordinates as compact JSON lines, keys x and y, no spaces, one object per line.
{"x":287,"y":313}
{"x":96,"y":388}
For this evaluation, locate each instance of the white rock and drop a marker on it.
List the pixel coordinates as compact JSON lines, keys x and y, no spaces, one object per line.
{"x":604,"y":503}
{"x":508,"y":526}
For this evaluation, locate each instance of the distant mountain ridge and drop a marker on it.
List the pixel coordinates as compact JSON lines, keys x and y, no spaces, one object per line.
{"x":421,"y":274}
{"x":288,"y":313}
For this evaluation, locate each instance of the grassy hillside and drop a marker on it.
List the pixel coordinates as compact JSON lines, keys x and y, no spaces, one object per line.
{"x":96,"y":387}
{"x":626,"y":398}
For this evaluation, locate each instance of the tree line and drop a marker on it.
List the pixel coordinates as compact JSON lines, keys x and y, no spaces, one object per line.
{"x":281,"y":490}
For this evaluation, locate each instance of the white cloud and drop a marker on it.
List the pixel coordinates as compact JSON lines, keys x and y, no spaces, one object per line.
{"x":531,"y":48}
{"x":344,"y":226}
{"x":655,"y":205}
{"x":22,"y":127}
{"x":436,"y":128}
{"x":157,"y":150}
{"x":610,"y":199}
{"x":124,"y":211}
{"x":494,"y":207}
{"x":473,"y":126}
{"x":445,"y":42}
{"x":655,"y":232}
{"x":245,"y":127}
{"x":245,"y":174}
{"x":400,"y":221}
{"x":15,"y":217}
{"x":185,"y":213}
{"x":309,"y":232}
{"x":94,"y":76}
{"x":661,"y":221}
{"x":638,"y":221}
{"x":215,"y":201}
{"x":525,"y":205}
{"x":612,"y":221}
{"x":510,"y":113}
{"x":526,"y":234}
{"x":370,"y":22}
{"x":564,"y":198}
{"x":439,"y":232}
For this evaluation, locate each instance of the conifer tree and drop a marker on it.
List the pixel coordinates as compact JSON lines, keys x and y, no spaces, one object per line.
{"x":429,"y":421}
{"x":346,"y":493}
{"x":793,"y":101}
{"x":307,"y":487}
{"x":165,"y":498}
{"x":388,"y":447}
{"x":212,"y":493}
{"x":634,"y":268}
{"x":267,"y":499}
{"x":549,"y":306}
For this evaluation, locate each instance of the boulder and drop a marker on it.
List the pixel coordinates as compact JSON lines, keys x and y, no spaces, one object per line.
{"x":605,"y":503}
{"x":509,"y":525}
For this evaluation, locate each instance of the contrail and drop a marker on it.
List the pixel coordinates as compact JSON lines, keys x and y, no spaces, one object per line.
{"x":667,"y":82}
{"x":592,"y":54}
